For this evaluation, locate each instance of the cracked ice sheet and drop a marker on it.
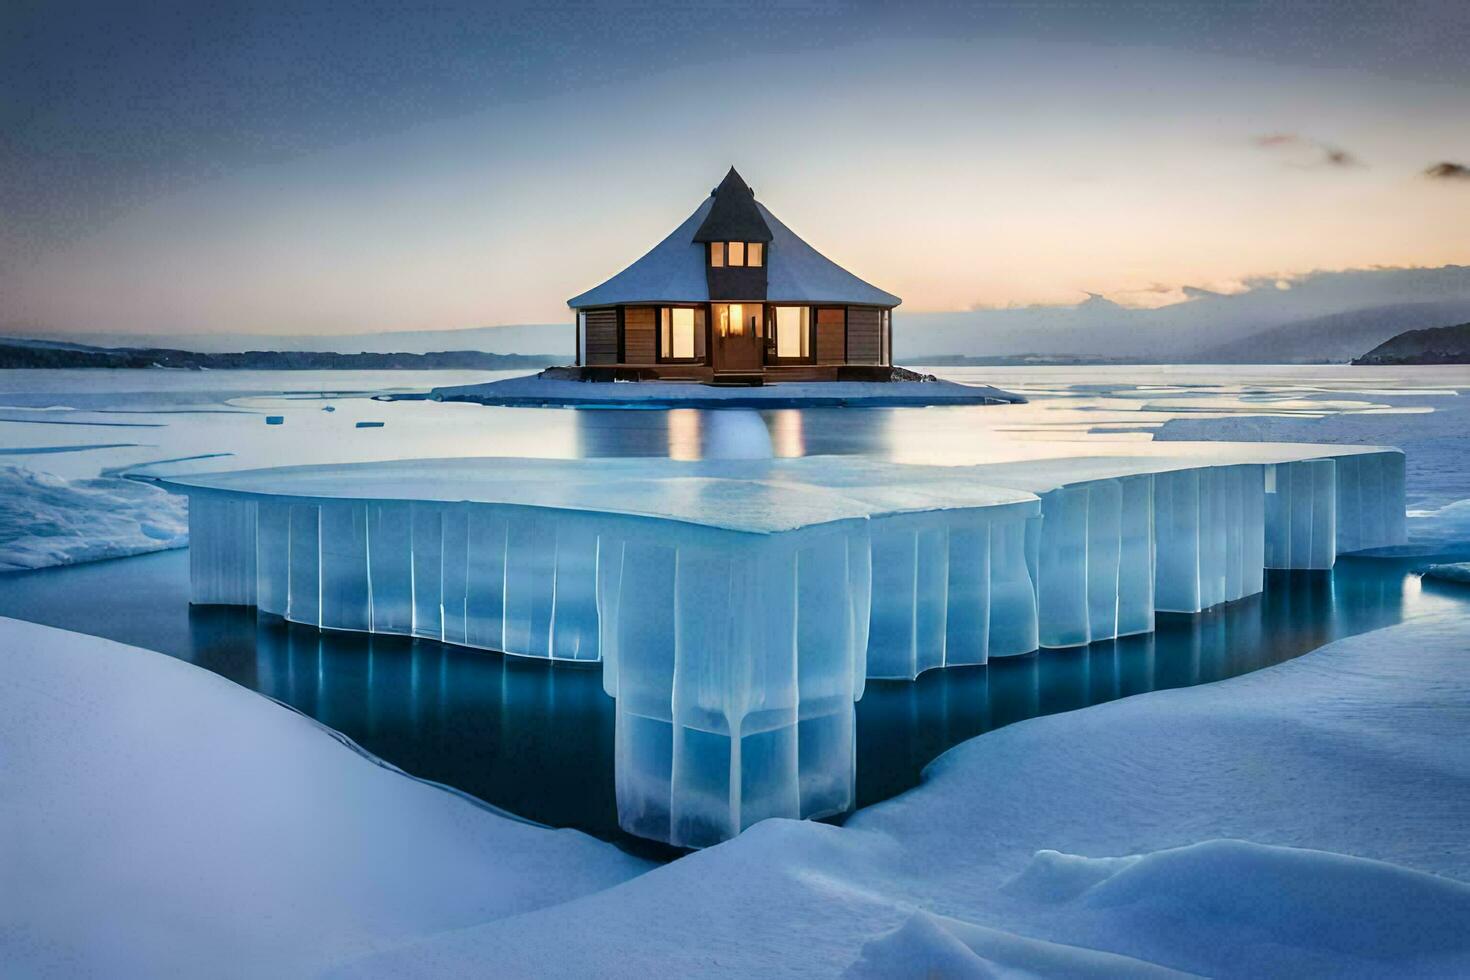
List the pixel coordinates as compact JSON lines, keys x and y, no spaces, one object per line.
{"x":1308,"y":817}
{"x":158,"y":820}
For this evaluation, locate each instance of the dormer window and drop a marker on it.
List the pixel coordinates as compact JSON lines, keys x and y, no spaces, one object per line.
{"x":736,"y":254}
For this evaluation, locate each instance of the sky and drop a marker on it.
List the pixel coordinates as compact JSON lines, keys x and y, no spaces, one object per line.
{"x":238,"y":168}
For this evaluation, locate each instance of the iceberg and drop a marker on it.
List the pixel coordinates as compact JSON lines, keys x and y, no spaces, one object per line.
{"x":737,"y":606}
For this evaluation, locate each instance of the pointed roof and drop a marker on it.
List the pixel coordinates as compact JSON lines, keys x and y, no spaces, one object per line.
{"x":735,"y":217}
{"x":673,"y":270}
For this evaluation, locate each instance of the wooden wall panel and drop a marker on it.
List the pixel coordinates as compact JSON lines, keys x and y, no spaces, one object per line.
{"x":831,"y":335}
{"x":602,"y":337}
{"x":639,"y":326}
{"x":864,"y":335}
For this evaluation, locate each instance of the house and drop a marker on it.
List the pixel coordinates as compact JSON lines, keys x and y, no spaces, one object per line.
{"x":734,"y":296}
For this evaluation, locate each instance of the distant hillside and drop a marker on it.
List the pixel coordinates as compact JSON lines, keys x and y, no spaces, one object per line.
{"x":1436,"y":345}
{"x":44,"y":354}
{"x":1320,"y":316}
{"x":1020,"y":360}
{"x":537,"y":339}
{"x":1334,"y":339}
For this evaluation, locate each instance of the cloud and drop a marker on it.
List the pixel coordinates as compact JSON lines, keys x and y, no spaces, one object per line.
{"x":1308,"y":152}
{"x":1445,"y":170}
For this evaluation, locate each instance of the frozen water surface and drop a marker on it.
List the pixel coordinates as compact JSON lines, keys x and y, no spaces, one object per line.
{"x":858,"y":568}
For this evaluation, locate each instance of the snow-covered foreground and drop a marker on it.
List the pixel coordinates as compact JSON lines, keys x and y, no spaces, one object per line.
{"x":1306,"y":818}
{"x":1309,"y":818}
{"x":158,"y":820}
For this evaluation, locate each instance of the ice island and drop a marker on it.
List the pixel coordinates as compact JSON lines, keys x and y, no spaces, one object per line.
{"x":736,"y":607}
{"x":732,"y":309}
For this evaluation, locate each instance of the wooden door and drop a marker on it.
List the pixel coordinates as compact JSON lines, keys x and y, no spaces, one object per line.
{"x":739,"y":344}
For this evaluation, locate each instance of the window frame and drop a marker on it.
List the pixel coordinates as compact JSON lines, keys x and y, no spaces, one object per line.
{"x":660,"y":356}
{"x":722,"y":251}
{"x":773,"y":334}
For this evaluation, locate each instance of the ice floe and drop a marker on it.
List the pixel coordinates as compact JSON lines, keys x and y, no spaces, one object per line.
{"x":48,"y":520}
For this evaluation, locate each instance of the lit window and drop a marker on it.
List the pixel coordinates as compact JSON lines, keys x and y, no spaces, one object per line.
{"x":736,"y":253}
{"x":754,"y":253}
{"x":676,"y":339}
{"x":793,"y":331}
{"x":717,"y":254}
{"x":737,"y":320}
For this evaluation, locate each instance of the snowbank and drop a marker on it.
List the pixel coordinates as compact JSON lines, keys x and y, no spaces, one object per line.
{"x":158,"y":820}
{"x":47,"y":519}
{"x":1306,"y":818}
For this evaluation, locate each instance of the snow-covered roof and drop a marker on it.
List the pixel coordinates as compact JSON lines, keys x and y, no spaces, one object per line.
{"x":673,"y":272}
{"x":796,"y":272}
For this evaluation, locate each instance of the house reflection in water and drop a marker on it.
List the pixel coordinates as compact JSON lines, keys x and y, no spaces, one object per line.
{"x":692,"y":433}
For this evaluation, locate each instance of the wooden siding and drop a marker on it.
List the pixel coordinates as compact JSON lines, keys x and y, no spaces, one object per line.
{"x":864,"y":335}
{"x":831,"y":335}
{"x":602,"y":336}
{"x":640,"y":325}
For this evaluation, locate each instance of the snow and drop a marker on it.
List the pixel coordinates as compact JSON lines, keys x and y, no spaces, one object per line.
{"x":1308,"y":818}
{"x":538,"y":390}
{"x":936,"y":946}
{"x":47,"y":519}
{"x":159,"y":820}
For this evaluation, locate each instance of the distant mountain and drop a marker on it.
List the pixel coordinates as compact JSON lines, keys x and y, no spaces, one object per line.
{"x":1204,"y":326}
{"x":1434,"y":345}
{"x":1333,"y":339}
{"x":44,"y":354}
{"x":555,"y":339}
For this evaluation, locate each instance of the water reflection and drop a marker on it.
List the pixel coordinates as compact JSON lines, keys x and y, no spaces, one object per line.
{"x":534,"y":738}
{"x":537,"y":739}
{"x":689,"y":433}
